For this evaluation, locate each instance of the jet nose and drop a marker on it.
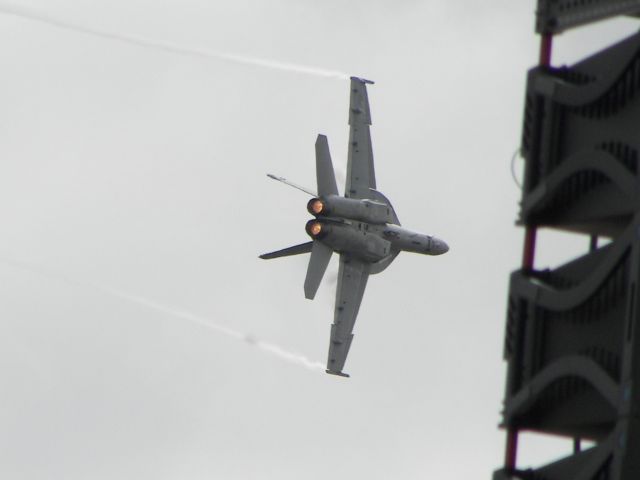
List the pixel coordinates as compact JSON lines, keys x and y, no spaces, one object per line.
{"x":438,"y":247}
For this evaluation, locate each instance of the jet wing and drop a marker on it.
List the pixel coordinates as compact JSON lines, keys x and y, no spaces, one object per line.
{"x":360,"y":172}
{"x":352,"y":280}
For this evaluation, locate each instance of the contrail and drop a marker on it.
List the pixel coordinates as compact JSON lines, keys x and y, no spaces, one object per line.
{"x":262,"y":345}
{"x":30,"y":14}
{"x":267,"y":347}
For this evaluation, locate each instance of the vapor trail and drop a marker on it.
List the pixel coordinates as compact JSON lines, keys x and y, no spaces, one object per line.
{"x":30,"y":14}
{"x":267,"y":347}
{"x":262,"y":345}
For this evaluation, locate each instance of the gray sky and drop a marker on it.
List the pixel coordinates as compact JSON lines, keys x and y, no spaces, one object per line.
{"x":132,"y":185}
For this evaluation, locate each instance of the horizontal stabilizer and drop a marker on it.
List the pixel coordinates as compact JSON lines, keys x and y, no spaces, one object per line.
{"x":287,"y":252}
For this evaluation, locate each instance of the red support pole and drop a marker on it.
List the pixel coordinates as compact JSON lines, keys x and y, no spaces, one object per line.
{"x":529,"y":249}
{"x":546,"y":43}
{"x":511,"y":452}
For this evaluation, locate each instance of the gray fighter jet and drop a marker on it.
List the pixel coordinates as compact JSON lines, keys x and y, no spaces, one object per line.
{"x":361,"y":226}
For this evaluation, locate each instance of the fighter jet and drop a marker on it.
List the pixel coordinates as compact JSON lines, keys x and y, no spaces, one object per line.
{"x":361,"y":226}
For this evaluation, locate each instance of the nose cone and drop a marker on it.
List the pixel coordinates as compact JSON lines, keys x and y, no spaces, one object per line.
{"x":438,"y":247}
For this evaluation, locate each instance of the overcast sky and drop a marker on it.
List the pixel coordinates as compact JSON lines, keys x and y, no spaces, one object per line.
{"x":140,"y":335}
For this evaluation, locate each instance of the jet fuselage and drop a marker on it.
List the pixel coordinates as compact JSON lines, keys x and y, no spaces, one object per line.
{"x":360,"y":228}
{"x":407,"y":241}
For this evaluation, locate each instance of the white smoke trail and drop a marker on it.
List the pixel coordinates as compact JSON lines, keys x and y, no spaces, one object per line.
{"x":262,"y":345}
{"x":289,"y":356}
{"x":267,"y":347}
{"x":30,"y":14}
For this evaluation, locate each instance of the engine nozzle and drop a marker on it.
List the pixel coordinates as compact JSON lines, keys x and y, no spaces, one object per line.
{"x":316,"y":207}
{"x":315,"y":229}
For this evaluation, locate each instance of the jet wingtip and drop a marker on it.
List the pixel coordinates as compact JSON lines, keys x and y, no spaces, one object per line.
{"x":362,"y":80}
{"x":339,"y":374}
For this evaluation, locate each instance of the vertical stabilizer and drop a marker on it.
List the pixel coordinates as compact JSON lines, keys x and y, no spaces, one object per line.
{"x":324,"y":168}
{"x":320,"y":256}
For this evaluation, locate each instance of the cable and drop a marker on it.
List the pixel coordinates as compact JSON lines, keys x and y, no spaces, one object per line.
{"x":513,"y":169}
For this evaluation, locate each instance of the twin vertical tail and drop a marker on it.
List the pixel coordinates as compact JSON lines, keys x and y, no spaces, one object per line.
{"x":318,"y":262}
{"x":325,"y":175}
{"x":320,"y":253}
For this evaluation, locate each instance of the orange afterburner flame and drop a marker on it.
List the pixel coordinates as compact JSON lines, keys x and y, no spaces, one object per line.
{"x":316,"y":228}
{"x":317,"y":207}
